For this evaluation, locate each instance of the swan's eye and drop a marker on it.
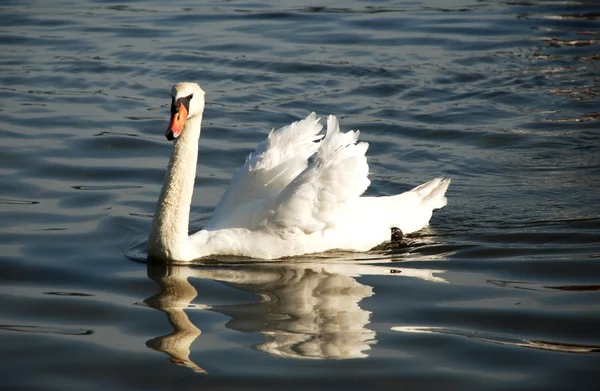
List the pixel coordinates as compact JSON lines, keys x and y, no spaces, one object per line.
{"x":189,"y":97}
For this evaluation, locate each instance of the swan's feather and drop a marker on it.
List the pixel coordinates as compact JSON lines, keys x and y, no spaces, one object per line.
{"x":267,"y":171}
{"x":338,"y":174}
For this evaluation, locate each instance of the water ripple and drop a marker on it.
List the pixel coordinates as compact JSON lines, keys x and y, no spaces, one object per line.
{"x":502,"y":96}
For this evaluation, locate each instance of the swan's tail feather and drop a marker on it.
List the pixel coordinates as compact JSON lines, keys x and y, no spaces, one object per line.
{"x":433,"y":193}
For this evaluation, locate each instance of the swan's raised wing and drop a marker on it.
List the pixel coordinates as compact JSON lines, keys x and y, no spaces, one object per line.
{"x":313,"y":201}
{"x":275,"y":163}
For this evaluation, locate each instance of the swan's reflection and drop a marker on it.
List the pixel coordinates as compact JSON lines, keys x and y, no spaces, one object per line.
{"x":176,"y":293}
{"x":306,"y":310}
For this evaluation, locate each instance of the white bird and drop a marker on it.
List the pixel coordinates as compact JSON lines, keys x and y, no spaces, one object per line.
{"x":298,"y":193}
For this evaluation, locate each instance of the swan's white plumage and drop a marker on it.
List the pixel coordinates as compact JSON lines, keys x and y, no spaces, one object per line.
{"x":314,"y":200}
{"x":297,"y":193}
{"x":267,"y":171}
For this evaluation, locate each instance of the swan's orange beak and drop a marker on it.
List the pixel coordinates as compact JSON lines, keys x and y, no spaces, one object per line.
{"x":176,"y":123}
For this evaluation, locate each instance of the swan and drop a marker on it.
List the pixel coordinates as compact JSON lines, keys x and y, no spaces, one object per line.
{"x":299,"y":192}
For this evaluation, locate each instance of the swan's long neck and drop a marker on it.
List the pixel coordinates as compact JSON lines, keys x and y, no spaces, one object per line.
{"x":168,"y":240}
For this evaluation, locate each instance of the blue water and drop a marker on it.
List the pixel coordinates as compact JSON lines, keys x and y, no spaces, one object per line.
{"x":501,"y":292}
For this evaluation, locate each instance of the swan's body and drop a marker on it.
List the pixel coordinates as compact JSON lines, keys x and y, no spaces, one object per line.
{"x":280,"y":203}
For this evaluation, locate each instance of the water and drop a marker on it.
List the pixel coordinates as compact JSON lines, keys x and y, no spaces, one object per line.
{"x":501,"y":292}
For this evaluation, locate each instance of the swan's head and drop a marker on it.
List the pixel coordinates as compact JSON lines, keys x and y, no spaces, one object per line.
{"x":187,"y":102}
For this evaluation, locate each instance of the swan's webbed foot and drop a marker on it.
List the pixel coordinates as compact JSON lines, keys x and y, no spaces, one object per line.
{"x":396,"y":234}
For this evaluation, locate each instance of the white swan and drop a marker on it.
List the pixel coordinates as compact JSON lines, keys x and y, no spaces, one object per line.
{"x":280,"y":203}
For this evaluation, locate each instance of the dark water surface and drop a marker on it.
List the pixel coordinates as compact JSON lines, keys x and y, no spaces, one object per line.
{"x":502,"y":292}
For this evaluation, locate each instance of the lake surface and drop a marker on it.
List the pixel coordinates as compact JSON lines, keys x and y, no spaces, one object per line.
{"x":501,"y":292}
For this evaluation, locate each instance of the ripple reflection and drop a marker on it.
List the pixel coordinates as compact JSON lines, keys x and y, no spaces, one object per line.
{"x":305,"y":311}
{"x":502,"y":339}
